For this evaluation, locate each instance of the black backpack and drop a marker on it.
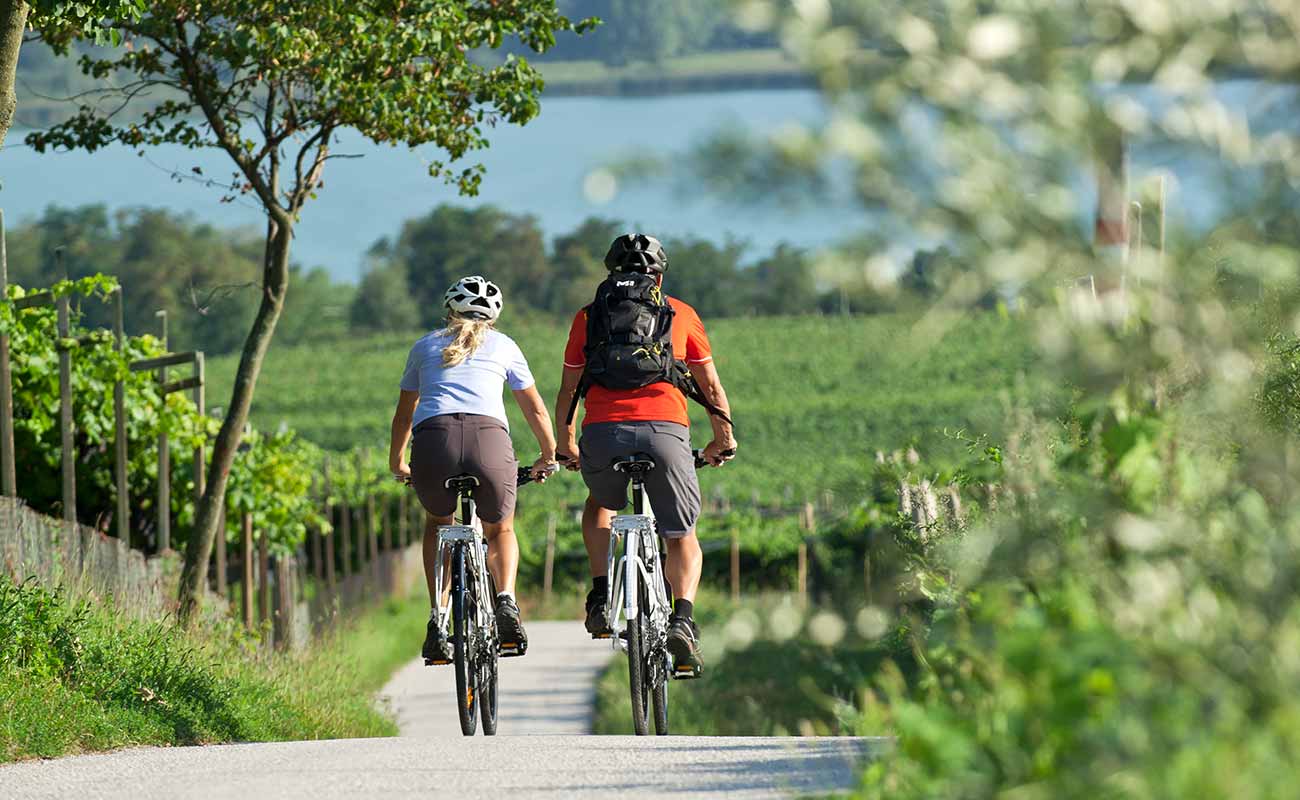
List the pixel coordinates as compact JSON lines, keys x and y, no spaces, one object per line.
{"x":630,"y":341}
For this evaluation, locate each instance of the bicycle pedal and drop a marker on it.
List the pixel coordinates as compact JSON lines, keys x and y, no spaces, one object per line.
{"x":511,"y":650}
{"x":602,"y":636}
{"x":434,"y":662}
{"x":686,"y":672}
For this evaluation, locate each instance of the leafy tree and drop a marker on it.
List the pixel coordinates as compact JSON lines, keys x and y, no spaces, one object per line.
{"x":578,"y":264}
{"x":383,"y":301}
{"x":451,"y":242}
{"x":706,"y":276}
{"x":64,"y":20}
{"x":783,"y":283}
{"x":270,"y":84}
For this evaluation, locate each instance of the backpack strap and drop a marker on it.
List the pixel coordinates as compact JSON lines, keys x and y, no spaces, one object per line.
{"x":584,"y":384}
{"x":686,"y":383}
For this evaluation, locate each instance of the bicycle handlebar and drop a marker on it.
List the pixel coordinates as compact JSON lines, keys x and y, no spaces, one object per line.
{"x":701,"y":462}
{"x":526,"y":474}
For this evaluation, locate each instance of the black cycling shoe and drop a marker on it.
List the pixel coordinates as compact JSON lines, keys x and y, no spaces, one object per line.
{"x":436,"y":650}
{"x":597,"y":624}
{"x":684,"y":645}
{"x":514,"y":641}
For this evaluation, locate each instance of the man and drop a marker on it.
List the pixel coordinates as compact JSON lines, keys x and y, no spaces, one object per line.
{"x":651,"y":418}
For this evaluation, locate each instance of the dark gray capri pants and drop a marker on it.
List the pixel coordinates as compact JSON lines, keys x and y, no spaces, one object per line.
{"x":672,"y":487}
{"x":464,"y":444}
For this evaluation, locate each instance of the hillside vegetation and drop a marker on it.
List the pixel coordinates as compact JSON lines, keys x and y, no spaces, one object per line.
{"x":813,"y":397}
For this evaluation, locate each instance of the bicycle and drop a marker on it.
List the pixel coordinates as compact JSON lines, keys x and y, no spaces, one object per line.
{"x":646,"y":601}
{"x":468,"y":619}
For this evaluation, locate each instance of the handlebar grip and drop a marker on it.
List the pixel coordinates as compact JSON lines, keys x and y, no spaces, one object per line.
{"x":699,"y":457}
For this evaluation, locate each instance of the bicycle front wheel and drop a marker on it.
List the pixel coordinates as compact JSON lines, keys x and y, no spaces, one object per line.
{"x":462,"y":611}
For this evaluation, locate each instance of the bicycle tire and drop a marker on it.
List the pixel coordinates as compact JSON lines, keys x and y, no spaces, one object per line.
{"x":638,"y":680}
{"x":489,"y":674}
{"x":657,"y":673}
{"x":462,"y":610}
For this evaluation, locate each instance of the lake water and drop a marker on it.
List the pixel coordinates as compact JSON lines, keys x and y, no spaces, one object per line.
{"x":539,"y":169}
{"x":542,"y":169}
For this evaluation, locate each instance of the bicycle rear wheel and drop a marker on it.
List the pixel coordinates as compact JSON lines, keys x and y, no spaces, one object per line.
{"x":488,"y":674}
{"x":638,"y":680}
{"x":462,"y":610}
{"x":657,"y":675}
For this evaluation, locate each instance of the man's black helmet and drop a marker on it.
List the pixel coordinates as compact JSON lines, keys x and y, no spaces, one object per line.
{"x":636,"y":252}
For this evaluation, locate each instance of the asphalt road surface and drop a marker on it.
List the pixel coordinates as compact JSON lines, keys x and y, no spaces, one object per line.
{"x":541,"y":751}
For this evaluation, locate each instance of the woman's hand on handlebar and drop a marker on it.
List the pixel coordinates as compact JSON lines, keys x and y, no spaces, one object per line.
{"x":543,"y":468}
{"x":402,"y":473}
{"x":569,"y":458}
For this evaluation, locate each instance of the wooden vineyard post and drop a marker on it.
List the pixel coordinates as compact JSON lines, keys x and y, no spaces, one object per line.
{"x":386,"y":518}
{"x":286,"y":572}
{"x":263,"y":579}
{"x":333,"y":534}
{"x":866,"y":572}
{"x":809,"y":524}
{"x":164,"y":457}
{"x":345,"y":543}
{"x":803,"y":573}
{"x":200,"y":474}
{"x":403,"y":520}
{"x":317,"y":554}
{"x":8,"y":470}
{"x":246,"y":551}
{"x":119,"y":426}
{"x":372,"y":536}
{"x":68,"y":454}
{"x":735,"y":565}
{"x":548,"y":568}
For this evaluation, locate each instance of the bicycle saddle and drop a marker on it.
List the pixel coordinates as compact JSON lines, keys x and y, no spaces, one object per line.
{"x":638,"y":464}
{"x":461,"y":483}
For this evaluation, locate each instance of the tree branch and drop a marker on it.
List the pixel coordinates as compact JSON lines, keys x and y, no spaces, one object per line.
{"x":230,"y":143}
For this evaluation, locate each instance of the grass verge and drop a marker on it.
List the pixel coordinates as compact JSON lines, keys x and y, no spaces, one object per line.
{"x":81,"y":677}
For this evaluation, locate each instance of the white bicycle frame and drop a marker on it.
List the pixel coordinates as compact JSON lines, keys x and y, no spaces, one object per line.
{"x":639,"y":562}
{"x":448,"y":536}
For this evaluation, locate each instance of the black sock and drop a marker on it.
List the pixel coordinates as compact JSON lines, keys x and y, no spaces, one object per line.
{"x":683,"y":608}
{"x":600,"y":586}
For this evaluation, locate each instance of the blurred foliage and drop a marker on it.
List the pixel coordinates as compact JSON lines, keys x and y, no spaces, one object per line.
{"x":271,"y":476}
{"x":1124,"y":623}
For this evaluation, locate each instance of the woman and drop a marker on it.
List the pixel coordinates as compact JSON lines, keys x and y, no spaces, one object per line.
{"x":451,"y":400}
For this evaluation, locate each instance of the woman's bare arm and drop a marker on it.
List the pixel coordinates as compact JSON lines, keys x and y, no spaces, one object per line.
{"x":401,"y":434}
{"x":530,"y":402}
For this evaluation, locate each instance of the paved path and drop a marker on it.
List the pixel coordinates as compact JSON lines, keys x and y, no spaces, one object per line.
{"x":546,"y":702}
{"x":524,"y":767}
{"x":549,"y":691}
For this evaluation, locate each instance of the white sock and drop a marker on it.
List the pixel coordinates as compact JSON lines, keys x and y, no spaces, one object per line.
{"x":510,"y":595}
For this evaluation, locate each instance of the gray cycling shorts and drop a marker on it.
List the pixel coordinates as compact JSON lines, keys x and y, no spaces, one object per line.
{"x":672,"y":487}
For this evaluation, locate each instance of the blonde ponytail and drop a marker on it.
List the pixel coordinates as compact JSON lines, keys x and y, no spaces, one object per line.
{"x":467,"y":337}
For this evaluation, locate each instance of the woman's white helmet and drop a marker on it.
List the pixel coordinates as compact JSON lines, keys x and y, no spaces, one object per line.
{"x":475,"y":297}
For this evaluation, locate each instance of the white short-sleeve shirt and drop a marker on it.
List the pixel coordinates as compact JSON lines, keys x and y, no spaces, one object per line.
{"x":473,"y":386}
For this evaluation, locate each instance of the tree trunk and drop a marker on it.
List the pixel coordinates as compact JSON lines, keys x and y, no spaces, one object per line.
{"x":275,"y":283}
{"x":13,"y":21}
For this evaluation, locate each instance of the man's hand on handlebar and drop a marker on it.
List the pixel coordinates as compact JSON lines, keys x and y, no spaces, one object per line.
{"x":718,"y":453}
{"x":569,"y":458}
{"x":402,"y":473}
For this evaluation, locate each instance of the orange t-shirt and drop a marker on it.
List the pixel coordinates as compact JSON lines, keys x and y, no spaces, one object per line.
{"x":658,"y":402}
